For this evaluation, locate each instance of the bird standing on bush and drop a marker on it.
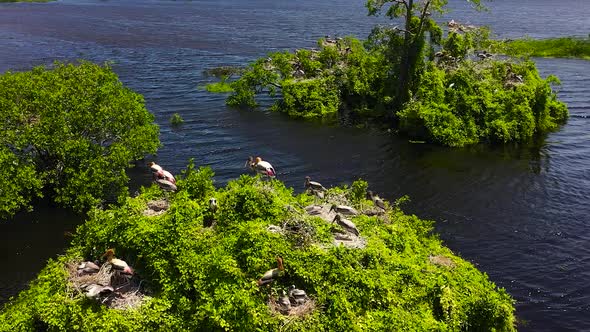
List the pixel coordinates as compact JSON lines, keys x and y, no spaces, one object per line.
{"x":376,"y":199}
{"x":270,"y":275}
{"x":348,"y":225}
{"x":261,"y":167}
{"x":162,"y":177}
{"x":346,"y":210}
{"x":118,"y":264}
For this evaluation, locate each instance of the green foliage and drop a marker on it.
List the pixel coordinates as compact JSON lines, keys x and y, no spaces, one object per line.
{"x":205,"y":278}
{"x":416,"y":77}
{"x":507,"y":102}
{"x":176,"y":119}
{"x":219,"y":87}
{"x":311,"y":98}
{"x":565,"y":47}
{"x":358,"y":191}
{"x":70,"y":132}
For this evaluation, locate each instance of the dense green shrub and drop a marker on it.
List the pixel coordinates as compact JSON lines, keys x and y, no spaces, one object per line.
{"x":565,"y":47}
{"x":508,"y":102}
{"x":425,"y":83}
{"x":202,"y":278}
{"x":69,"y":132}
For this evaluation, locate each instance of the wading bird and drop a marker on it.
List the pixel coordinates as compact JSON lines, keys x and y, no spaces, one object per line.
{"x":346,"y":210}
{"x":376,"y":199}
{"x":348,"y":225}
{"x":298,"y":296}
{"x":261,"y":167}
{"x":94,"y":291}
{"x":118,"y":264}
{"x":313,"y":185}
{"x":162,"y":177}
{"x":87,"y":268}
{"x":270,"y":275}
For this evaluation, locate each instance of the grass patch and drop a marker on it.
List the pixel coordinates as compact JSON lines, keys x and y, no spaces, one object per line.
{"x":219,"y":87}
{"x":566,"y":47}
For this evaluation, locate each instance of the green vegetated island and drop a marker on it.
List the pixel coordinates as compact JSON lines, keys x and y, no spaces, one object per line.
{"x":252,"y":255}
{"x":431,"y":83}
{"x":247,"y":256}
{"x":263,"y":259}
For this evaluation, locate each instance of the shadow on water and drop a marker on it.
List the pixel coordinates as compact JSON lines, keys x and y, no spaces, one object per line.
{"x":28,"y":240}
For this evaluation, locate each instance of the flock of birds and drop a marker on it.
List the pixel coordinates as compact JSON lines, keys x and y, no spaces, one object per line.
{"x":295,"y":297}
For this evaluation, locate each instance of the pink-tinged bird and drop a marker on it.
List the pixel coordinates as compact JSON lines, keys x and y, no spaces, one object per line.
{"x":118,"y":264}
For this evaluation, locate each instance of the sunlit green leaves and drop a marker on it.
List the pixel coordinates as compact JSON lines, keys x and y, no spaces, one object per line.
{"x":78,"y":127}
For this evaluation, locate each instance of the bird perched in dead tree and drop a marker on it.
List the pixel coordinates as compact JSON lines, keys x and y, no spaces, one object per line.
{"x":270,"y":275}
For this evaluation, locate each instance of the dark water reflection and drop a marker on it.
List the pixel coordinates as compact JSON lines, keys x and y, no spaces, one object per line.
{"x":520,"y":213}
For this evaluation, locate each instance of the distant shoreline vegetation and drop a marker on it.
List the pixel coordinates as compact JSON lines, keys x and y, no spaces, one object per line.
{"x":564,"y":47}
{"x":2,"y":1}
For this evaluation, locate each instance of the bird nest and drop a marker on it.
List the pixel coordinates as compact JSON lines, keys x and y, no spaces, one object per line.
{"x":441,"y":260}
{"x":156,"y":207}
{"x":294,"y":311}
{"x":127,"y":291}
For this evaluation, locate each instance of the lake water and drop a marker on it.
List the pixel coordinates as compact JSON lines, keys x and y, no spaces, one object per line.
{"x":521,"y":214}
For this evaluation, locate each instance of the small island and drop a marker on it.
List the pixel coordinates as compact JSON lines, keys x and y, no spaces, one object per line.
{"x":254,"y":256}
{"x":432,"y":83}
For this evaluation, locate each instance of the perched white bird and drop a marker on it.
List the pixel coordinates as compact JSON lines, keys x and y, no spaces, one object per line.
{"x":93,"y":291}
{"x":118,"y":264}
{"x":261,"y":167}
{"x":87,"y":268}
{"x":270,"y":275}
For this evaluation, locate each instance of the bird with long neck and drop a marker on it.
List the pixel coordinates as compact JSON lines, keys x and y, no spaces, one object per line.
{"x":348,"y":225}
{"x":313,"y":185}
{"x":270,"y":275}
{"x":346,"y":210}
{"x":118,"y":264}
{"x":376,"y":199}
{"x":261,"y":167}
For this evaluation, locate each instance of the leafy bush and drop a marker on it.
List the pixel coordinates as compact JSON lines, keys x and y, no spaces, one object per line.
{"x":204,"y":278}
{"x":70,"y":132}
{"x":507,"y":102}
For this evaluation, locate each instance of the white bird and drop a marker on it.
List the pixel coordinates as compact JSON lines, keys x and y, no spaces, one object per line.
{"x":166,"y":185}
{"x":261,"y":167}
{"x":118,"y":264}
{"x":348,"y":225}
{"x":155,"y":167}
{"x":270,"y":275}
